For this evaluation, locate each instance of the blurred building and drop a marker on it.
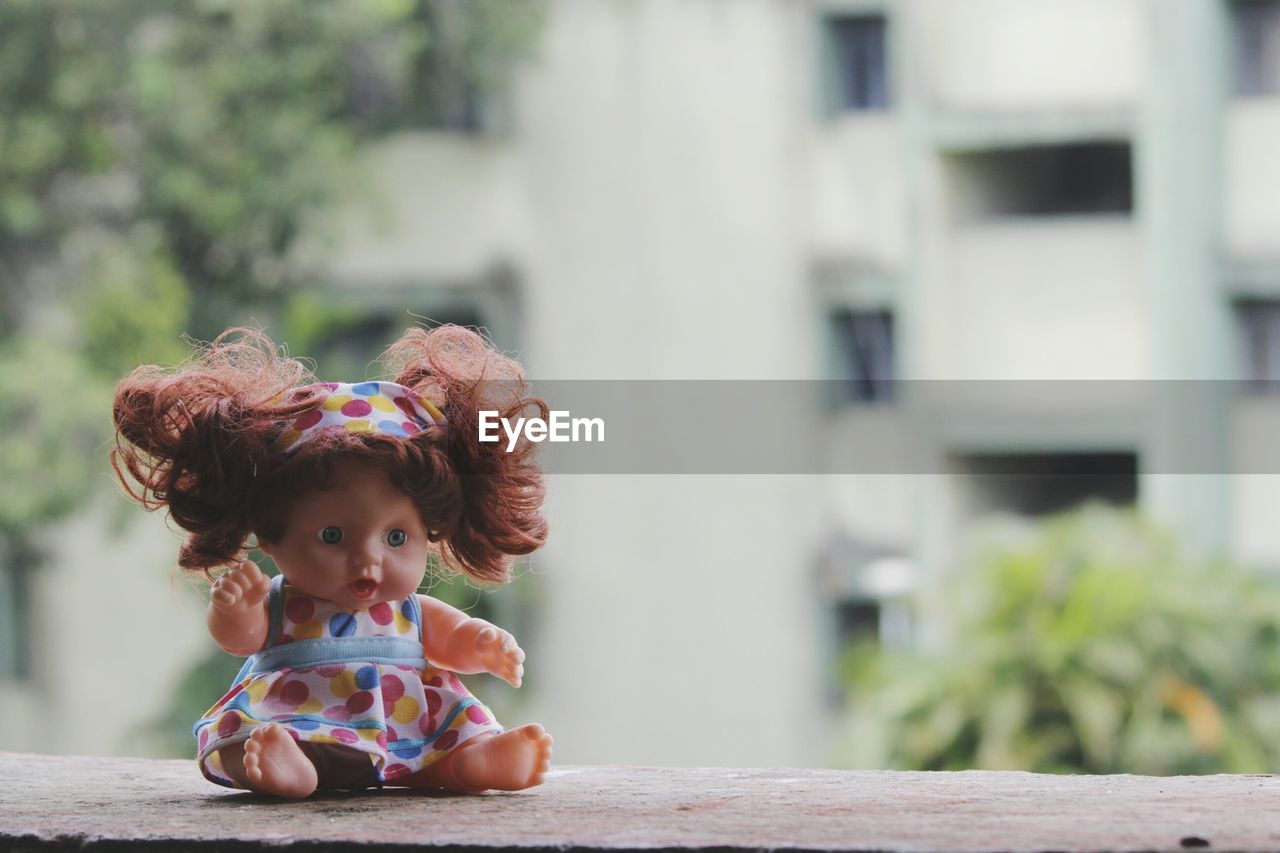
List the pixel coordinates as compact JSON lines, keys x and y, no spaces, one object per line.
{"x":948,"y":191}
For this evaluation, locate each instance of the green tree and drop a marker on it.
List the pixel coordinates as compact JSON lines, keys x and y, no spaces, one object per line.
{"x":1086,"y":643}
{"x":161,"y":163}
{"x":221,"y":128}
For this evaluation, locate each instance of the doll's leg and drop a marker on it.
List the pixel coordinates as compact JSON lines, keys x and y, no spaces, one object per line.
{"x":511,"y":761}
{"x":271,"y":762}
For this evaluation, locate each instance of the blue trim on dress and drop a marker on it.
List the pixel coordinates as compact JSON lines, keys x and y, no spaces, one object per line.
{"x":291,"y":718}
{"x":416,"y":606}
{"x":322,"y":651}
{"x":403,"y":743}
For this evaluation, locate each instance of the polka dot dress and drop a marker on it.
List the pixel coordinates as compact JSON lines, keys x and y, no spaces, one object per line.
{"x":403,"y":717}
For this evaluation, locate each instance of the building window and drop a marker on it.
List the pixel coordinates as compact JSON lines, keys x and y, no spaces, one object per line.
{"x":884,"y":623}
{"x":1038,"y":484}
{"x":439,"y":97}
{"x":1044,"y":180}
{"x":864,"y":349}
{"x":869,"y":592}
{"x":857,"y":62}
{"x":448,"y":85}
{"x":1256,"y":32}
{"x":1259,"y":324}
{"x":858,"y":621}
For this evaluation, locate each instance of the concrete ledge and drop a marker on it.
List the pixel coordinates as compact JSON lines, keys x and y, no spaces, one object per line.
{"x":58,"y":803}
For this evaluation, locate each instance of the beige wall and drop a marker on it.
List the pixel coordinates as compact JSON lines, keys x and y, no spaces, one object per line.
{"x":1031,"y":299}
{"x":1255,"y":492}
{"x":678,"y":627}
{"x":663,"y":146}
{"x":443,"y":208}
{"x":857,"y":191}
{"x":879,"y":507}
{"x":1252,"y":204}
{"x":114,"y":631}
{"x":1045,"y":55}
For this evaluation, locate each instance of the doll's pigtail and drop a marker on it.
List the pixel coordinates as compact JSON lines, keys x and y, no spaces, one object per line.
{"x":196,"y":439}
{"x":499,"y":511}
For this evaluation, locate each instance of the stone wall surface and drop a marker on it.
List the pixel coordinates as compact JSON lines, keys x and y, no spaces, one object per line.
{"x":61,"y":803}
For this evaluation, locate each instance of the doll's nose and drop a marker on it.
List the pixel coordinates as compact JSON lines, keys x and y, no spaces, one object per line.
{"x":364,"y":560}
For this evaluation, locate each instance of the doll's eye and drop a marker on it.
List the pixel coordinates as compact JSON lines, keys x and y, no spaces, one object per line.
{"x":331,"y":535}
{"x":396,"y":537}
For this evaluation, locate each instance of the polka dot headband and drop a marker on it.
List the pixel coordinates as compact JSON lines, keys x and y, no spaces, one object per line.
{"x":382,"y":407}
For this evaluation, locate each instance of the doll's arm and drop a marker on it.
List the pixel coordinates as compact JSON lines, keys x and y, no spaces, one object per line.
{"x":454,"y":641}
{"x":238,"y":618}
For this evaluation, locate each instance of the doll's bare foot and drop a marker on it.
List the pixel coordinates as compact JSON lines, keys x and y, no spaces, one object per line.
{"x":511,"y":761}
{"x":275,"y":764}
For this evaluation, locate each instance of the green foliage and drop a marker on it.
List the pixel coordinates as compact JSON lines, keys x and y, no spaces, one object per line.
{"x":53,"y":423}
{"x":1088,"y":643}
{"x":472,"y":47}
{"x":132,"y":310}
{"x":222,"y":126}
{"x":55,"y":83}
{"x":241,"y":134}
{"x":310,"y":320}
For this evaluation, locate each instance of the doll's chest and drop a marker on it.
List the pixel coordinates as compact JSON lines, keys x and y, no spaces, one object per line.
{"x":302,"y":617}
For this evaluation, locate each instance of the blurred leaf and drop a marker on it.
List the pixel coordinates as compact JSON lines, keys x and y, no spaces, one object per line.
{"x":1002,"y":720}
{"x":1097,"y":714}
{"x":55,"y":416}
{"x":22,"y":214}
{"x":233,"y":124}
{"x":1086,"y":642}
{"x":134,"y":311}
{"x":310,"y":319}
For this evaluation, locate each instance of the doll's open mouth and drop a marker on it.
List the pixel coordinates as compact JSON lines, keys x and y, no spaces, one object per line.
{"x":364,"y":587}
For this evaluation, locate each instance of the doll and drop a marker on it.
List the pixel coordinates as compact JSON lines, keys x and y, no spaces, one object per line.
{"x":350,"y":488}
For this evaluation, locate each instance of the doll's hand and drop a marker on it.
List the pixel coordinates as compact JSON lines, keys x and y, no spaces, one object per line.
{"x":240,"y":589}
{"x":500,"y":654}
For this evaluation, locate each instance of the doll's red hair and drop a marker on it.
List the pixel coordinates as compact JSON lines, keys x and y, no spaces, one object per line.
{"x":197,"y":440}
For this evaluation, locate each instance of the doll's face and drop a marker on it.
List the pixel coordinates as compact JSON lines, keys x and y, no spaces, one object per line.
{"x":356,"y":543}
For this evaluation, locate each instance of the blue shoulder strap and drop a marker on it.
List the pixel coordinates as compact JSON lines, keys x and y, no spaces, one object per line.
{"x":275,"y":610}
{"x":415,"y":607}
